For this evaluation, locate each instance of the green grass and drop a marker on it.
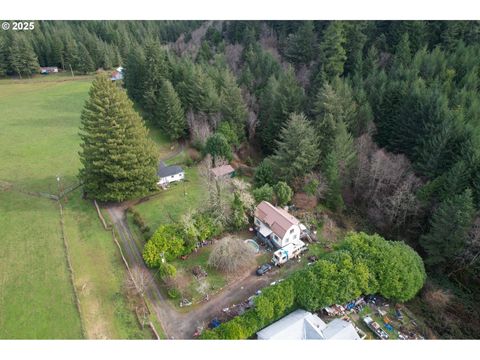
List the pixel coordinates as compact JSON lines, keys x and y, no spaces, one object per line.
{"x":39,"y":137}
{"x":215,"y":279}
{"x":172,"y":203}
{"x":99,"y":274}
{"x":36,"y":296}
{"x":39,"y":134}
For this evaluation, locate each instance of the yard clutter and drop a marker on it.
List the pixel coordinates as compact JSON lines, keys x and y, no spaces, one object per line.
{"x":337,"y":278}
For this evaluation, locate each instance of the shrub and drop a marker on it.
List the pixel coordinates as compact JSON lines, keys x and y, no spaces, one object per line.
{"x":207,"y":227}
{"x":139,"y":221}
{"x":165,"y":242}
{"x":230,"y":254}
{"x":264,"y":174}
{"x":264,"y":193}
{"x":283,"y":193}
{"x":218,"y":146}
{"x":173,"y":293}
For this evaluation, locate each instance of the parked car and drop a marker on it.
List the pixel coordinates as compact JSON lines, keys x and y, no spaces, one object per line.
{"x":262,"y":270}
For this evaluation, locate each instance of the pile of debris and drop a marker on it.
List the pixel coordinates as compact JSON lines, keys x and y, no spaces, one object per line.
{"x":199,"y":272}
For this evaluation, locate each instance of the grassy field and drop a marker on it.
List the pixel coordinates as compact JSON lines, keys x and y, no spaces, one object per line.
{"x":175,"y":201}
{"x":39,"y":137}
{"x":36,"y":296}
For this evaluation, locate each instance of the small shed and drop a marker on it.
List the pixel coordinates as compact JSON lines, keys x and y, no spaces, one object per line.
{"x":224,"y":171}
{"x":45,"y":70}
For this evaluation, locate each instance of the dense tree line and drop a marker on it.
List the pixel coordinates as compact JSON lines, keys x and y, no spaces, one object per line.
{"x":83,"y":46}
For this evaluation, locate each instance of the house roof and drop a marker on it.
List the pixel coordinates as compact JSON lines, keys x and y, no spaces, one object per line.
{"x":303,"y":325}
{"x":164,"y":171}
{"x":298,"y":325}
{"x":222,"y":170}
{"x":276,"y":218}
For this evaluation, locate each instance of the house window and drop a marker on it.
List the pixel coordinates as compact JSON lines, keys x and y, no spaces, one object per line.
{"x":257,"y":221}
{"x":291,"y":231}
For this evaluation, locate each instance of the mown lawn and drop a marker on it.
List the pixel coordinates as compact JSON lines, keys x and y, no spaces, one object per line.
{"x":39,"y":139}
{"x":36,"y":296}
{"x":172,"y":203}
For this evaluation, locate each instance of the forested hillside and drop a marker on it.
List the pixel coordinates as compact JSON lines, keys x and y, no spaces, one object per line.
{"x":376,"y":118}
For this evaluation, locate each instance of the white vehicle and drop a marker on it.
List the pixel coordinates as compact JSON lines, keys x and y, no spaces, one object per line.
{"x":290,"y":251}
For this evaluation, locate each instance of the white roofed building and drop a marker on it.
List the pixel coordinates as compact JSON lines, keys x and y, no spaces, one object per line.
{"x":303,"y":325}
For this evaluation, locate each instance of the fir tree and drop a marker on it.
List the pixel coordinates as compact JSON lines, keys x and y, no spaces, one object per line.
{"x":448,"y":232}
{"x":301,"y":46}
{"x":119,"y":160}
{"x":171,"y":116}
{"x":332,"y":51}
{"x":297,"y":150}
{"x":233,"y":108}
{"x":83,"y":60}
{"x":22,"y":59}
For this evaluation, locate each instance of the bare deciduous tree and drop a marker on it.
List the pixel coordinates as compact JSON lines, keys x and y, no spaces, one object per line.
{"x":233,"y":55}
{"x":199,"y":126}
{"x":385,"y":184}
{"x":231,"y":254}
{"x":138,"y":280}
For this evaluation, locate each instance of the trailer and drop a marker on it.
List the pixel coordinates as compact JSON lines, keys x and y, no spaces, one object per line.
{"x":290,"y":251}
{"x":375,"y":327}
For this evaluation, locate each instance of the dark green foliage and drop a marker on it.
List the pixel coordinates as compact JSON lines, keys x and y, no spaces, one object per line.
{"x":238,"y":219}
{"x":279,"y":99}
{"x":118,"y":159}
{"x":83,"y":61}
{"x":332,"y":51}
{"x":233,"y":108}
{"x":301,"y":46}
{"x":264,"y":173}
{"x":171,"y":117}
{"x":448,"y":232}
{"x":135,"y":74}
{"x":139,"y":221}
{"x":263,"y":193}
{"x":283,"y":193}
{"x":226,"y":130}
{"x":218,"y":146}
{"x":156,"y":69}
{"x":396,"y":270}
{"x":297,"y":149}
{"x":20,"y":56}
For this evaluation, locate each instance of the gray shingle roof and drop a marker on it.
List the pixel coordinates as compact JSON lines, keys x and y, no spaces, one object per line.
{"x":164,"y":171}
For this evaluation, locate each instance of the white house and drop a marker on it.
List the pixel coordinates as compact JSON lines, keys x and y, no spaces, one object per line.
{"x":276,"y":225}
{"x":117,"y":74}
{"x":303,"y":325}
{"x":169,"y":174}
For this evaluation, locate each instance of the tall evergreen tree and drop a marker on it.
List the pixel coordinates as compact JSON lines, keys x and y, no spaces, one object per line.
{"x":448,"y":232}
{"x":297,"y":149}
{"x":279,"y":100}
{"x":135,"y":74}
{"x":157,"y":68}
{"x":171,"y":115}
{"x":232,"y":107}
{"x":83,"y":60}
{"x":301,"y":46}
{"x":332,"y":51}
{"x":119,"y":161}
{"x":22,"y":60}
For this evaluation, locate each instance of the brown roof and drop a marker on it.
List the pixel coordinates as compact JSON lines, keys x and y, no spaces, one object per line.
{"x":276,"y":218}
{"x":222,"y":170}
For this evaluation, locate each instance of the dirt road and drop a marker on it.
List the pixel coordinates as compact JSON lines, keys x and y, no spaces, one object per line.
{"x":179,"y":325}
